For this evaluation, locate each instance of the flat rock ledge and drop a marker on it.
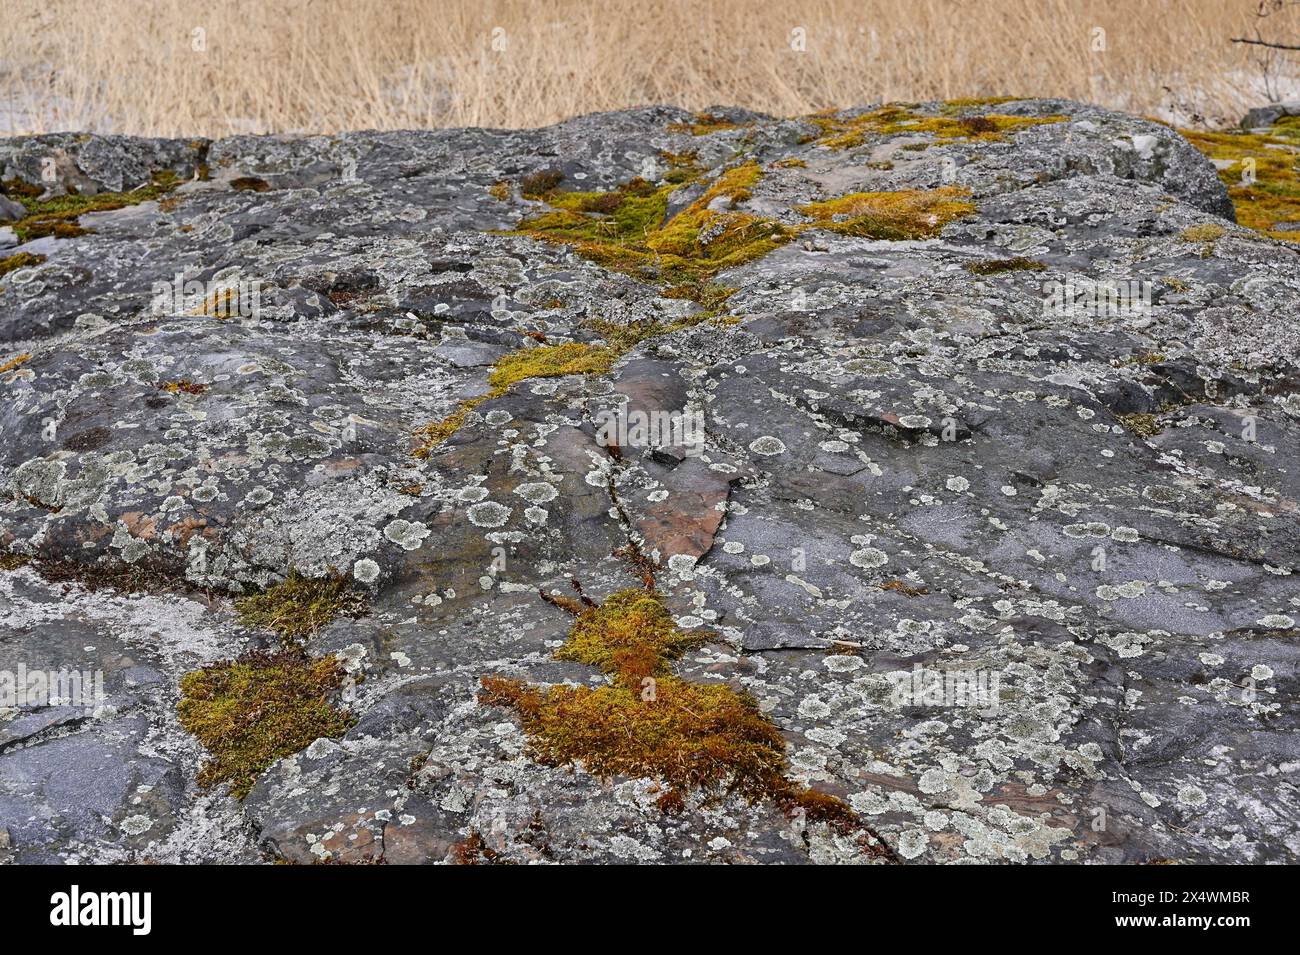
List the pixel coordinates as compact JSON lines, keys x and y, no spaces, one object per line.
{"x":939,"y":453}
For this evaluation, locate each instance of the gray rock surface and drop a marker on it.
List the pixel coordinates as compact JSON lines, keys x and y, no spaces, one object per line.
{"x":906,"y":465}
{"x":1261,"y":117}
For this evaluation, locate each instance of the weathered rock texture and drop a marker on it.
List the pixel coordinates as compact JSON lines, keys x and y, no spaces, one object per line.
{"x":907,"y":463}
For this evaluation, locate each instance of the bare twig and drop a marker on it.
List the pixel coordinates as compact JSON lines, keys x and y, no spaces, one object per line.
{"x":1268,"y":43}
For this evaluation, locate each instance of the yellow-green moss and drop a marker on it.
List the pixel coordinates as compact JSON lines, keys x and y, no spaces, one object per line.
{"x":1140,"y":423}
{"x":648,"y":723}
{"x":183,"y":385}
{"x":58,"y":216}
{"x":957,"y":105}
{"x":549,"y":361}
{"x":1271,"y":202}
{"x":20,"y":260}
{"x":629,"y":637}
{"x":1016,"y":263}
{"x":298,"y":606}
{"x":905,"y":214}
{"x":896,"y":119}
{"x":257,"y":709}
{"x":435,"y":433}
{"x":704,"y":123}
{"x":624,"y":229}
{"x":1206,"y":234}
{"x":544,"y":361}
{"x":11,"y":561}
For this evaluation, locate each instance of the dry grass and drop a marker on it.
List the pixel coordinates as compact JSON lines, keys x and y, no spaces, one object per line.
{"x":328,"y":65}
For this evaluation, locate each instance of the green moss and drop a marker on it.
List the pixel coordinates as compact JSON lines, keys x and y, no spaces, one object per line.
{"x":625,"y":229}
{"x":704,"y":123}
{"x":182,"y":385}
{"x":549,"y":361}
{"x":298,"y":606}
{"x":958,"y":105}
{"x":1206,"y":234}
{"x":257,"y":709}
{"x":905,"y":214}
{"x":629,"y":637}
{"x":545,"y":361}
{"x":997,"y":266}
{"x":20,"y":260}
{"x":435,"y":433}
{"x":10,"y":561}
{"x":58,"y":216}
{"x":897,"y":119}
{"x":1262,"y":173}
{"x":648,"y":723}
{"x":1140,"y":423}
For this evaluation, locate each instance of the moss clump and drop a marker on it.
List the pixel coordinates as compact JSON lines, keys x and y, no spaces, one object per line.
{"x":14,"y":362}
{"x":957,"y":105}
{"x":1262,"y":173}
{"x":1016,"y":263}
{"x":903,"y":588}
{"x":704,"y":123}
{"x":21,"y":260}
{"x":436,"y":432}
{"x":625,"y":229}
{"x":223,"y":303}
{"x":905,"y":214}
{"x":19,"y":189}
{"x":897,"y":119}
{"x":257,"y":709}
{"x":544,"y":361}
{"x":10,"y":561}
{"x":691,"y":736}
{"x":250,"y":184}
{"x":549,"y":361}
{"x":1208,"y":232}
{"x":1141,"y":423}
{"x":298,"y":606}
{"x":648,"y":723}
{"x":182,"y":385}
{"x":58,"y":216}
{"x":537,"y":184}
{"x":1206,"y":235}
{"x":630,"y":637}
